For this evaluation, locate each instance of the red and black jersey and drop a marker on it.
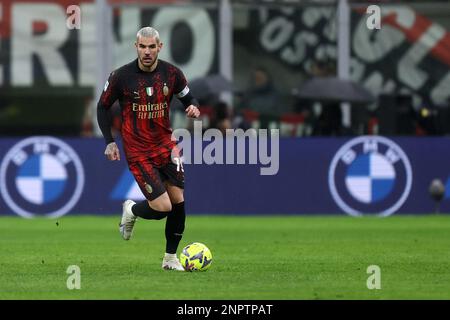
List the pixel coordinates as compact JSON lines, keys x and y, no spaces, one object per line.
{"x":144,"y":99}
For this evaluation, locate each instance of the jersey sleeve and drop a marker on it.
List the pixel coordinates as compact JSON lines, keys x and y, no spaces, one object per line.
{"x":110,"y":91}
{"x":181,"y":88}
{"x":109,"y":95}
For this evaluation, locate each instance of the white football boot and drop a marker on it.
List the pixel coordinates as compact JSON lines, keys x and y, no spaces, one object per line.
{"x":128,"y":219}
{"x":171,"y":262}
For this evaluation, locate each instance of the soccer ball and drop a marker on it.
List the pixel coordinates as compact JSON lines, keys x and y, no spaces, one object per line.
{"x":196,"y":257}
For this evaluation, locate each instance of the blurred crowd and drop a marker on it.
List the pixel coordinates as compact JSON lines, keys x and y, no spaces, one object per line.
{"x":261,"y":105}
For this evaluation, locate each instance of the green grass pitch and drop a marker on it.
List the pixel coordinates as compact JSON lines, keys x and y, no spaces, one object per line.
{"x":264,"y":257}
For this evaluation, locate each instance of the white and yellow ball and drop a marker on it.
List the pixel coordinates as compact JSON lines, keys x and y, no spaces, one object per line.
{"x":196,"y":257}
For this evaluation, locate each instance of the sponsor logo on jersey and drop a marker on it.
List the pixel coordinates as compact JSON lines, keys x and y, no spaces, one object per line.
{"x":370,"y":175}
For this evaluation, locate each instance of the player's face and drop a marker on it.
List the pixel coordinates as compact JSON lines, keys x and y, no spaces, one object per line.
{"x":147,"y":50}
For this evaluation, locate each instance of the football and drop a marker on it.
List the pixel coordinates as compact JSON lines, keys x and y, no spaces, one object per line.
{"x":196,"y":257}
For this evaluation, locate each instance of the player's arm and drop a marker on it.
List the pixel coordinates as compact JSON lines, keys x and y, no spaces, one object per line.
{"x":189,"y":102}
{"x":183,"y":94}
{"x":107,"y":98}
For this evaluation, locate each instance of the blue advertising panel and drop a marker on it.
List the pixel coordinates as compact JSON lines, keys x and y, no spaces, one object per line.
{"x":370,"y":175}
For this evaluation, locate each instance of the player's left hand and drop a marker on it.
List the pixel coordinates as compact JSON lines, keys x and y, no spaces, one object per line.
{"x":192,"y":111}
{"x":112,"y":151}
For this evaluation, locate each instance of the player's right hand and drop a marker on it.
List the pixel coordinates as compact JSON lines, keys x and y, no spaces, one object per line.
{"x":112,"y":151}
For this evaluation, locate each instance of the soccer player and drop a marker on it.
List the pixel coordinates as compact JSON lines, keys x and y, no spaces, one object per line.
{"x":144,"y":88}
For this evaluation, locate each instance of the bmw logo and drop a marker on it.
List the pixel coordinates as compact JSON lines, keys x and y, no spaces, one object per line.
{"x":370,"y":175}
{"x":41,"y":176}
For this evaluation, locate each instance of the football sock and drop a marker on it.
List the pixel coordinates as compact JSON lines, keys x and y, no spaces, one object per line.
{"x":170,"y":256}
{"x":175,"y":227}
{"x":142,"y":209}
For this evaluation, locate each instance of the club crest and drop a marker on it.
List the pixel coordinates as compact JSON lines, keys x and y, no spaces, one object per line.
{"x":148,"y":188}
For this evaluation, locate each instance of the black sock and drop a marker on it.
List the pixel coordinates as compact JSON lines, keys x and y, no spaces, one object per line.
{"x":175,"y":227}
{"x":142,"y":209}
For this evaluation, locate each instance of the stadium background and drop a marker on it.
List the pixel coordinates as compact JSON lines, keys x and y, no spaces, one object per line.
{"x":51,"y":77}
{"x":52,"y":162}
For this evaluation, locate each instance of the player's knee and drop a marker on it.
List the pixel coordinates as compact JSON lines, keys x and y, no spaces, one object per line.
{"x":160,"y":215}
{"x":162,"y":206}
{"x":166,"y":207}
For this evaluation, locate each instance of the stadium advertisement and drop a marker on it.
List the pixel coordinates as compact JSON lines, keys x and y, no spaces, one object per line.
{"x":366,"y":175}
{"x":43,"y":47}
{"x":48,"y":52}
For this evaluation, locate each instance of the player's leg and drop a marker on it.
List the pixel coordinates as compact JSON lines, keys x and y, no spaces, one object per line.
{"x":155,"y":209}
{"x":173,"y":177}
{"x":176,"y":219}
{"x":174,"y":229}
{"x":157,"y":205}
